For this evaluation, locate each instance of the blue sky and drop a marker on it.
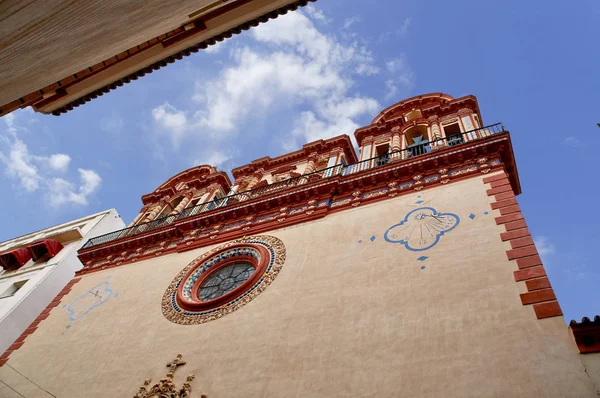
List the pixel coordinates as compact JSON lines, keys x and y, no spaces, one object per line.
{"x":323,"y":72}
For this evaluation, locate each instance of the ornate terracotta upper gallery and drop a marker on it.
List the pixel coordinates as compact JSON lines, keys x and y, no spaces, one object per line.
{"x":415,"y":144}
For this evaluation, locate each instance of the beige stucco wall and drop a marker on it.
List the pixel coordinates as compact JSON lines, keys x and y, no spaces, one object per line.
{"x":592,"y":367}
{"x":342,"y":319}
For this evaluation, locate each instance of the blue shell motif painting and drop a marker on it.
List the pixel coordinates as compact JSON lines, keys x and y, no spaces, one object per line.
{"x":421,"y":228}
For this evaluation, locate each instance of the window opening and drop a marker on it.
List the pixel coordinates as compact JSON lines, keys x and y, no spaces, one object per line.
{"x":12,"y":289}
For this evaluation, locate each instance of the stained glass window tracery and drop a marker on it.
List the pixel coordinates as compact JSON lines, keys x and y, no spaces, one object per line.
{"x":225,"y":280}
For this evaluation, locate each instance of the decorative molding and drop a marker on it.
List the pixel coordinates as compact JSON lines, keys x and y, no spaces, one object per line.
{"x":181,"y":305}
{"x":586,"y":334}
{"x":324,"y":197}
{"x":166,"y":387}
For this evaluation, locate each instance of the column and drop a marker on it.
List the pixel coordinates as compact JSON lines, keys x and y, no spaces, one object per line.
{"x":155,"y":211}
{"x":312,"y":164}
{"x":136,"y":219}
{"x":181,"y":205}
{"x":255,"y":178}
{"x":435,"y":132}
{"x":396,"y":144}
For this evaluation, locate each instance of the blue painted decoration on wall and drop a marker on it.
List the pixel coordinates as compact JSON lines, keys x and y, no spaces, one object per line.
{"x":421,"y":228}
{"x":86,"y":302}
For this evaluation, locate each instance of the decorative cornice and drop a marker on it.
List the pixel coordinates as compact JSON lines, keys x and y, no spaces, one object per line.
{"x":309,"y":201}
{"x":283,"y":169}
{"x":319,"y":147}
{"x":586,"y":334}
{"x":437,"y":106}
{"x":193,"y":181}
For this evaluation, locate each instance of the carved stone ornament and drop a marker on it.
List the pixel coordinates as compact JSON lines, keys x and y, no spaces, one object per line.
{"x":181,"y":305}
{"x":166,"y":387}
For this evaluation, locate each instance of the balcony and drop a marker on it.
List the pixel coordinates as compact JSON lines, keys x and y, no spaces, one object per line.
{"x":341,"y":170}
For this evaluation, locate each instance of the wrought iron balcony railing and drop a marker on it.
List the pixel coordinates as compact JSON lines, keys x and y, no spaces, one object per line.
{"x":337,"y":170}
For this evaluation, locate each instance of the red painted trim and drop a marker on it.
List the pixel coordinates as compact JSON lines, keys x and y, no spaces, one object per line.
{"x":198,"y":305}
{"x":504,"y":203}
{"x":34,"y":325}
{"x":517,"y":233}
{"x":495,"y":177}
{"x":515,"y":225}
{"x":109,"y":255}
{"x":504,"y":195}
{"x":530,"y":268}
{"x":520,"y":242}
{"x":509,"y":218}
{"x":537,"y":284}
{"x":510,"y":209}
{"x":527,"y":262}
{"x":547,"y":310}
{"x":521,"y":252}
{"x":500,"y":183}
{"x":538,"y":296}
{"x":499,"y":190}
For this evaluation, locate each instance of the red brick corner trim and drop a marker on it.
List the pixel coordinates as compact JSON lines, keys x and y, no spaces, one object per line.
{"x":531,"y":270}
{"x":34,"y":325}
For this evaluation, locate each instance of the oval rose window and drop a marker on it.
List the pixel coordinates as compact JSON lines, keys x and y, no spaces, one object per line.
{"x":223,"y":279}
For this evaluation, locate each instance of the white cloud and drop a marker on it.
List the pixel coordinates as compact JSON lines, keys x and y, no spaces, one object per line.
{"x":405,"y":25}
{"x":544,"y":246}
{"x":10,"y":120}
{"x":20,"y":165}
{"x":90,"y":181}
{"x":305,"y":67}
{"x":213,"y":158}
{"x":288,"y":67}
{"x":402,"y":78}
{"x":316,"y":14}
{"x":62,"y":191}
{"x":391,"y":89}
{"x":35,"y":173}
{"x":59,"y":162}
{"x":172,"y":120}
{"x":348,"y":22}
{"x":215,"y":48}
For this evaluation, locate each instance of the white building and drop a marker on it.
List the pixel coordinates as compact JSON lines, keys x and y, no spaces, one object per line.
{"x":35,"y":267}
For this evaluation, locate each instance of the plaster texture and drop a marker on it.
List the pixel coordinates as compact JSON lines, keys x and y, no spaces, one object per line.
{"x":342,"y":319}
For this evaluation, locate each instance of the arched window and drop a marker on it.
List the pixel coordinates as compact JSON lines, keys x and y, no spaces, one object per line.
{"x":417,"y":140}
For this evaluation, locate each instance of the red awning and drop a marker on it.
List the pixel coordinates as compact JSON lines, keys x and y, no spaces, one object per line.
{"x":43,"y":247}
{"x":15,"y":259}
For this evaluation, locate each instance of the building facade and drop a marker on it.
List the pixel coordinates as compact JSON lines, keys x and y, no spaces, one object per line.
{"x":405,"y":270}
{"x":36,"y":266}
